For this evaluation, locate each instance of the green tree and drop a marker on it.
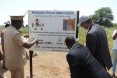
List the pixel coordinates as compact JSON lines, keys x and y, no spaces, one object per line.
{"x":103,"y":16}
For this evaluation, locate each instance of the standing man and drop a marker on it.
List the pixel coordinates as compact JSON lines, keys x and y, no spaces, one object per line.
{"x":96,"y":41}
{"x":114,"y":53}
{"x":14,"y":47}
{"x":82,"y":64}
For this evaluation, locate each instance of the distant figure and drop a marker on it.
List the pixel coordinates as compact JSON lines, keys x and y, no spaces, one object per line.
{"x":96,"y":41}
{"x":7,"y":25}
{"x":14,"y":46}
{"x":1,"y":71}
{"x":114,"y":53}
{"x":82,"y":64}
{"x":1,"y":59}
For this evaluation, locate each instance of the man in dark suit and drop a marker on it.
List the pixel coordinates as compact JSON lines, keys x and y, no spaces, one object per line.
{"x":82,"y":64}
{"x":96,"y":41}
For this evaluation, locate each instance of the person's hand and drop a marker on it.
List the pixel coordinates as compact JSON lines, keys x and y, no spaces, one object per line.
{"x":36,"y":42}
{"x":77,"y":39}
{"x":108,"y":68}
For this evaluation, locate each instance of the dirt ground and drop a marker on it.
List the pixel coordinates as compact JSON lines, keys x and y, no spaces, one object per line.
{"x":48,"y":65}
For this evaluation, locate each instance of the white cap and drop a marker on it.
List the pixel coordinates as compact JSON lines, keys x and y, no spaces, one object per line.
{"x":17,"y":17}
{"x":83,"y":19}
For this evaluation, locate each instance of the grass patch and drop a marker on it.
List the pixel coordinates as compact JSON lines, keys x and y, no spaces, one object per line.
{"x":109,"y":31}
{"x":82,"y":34}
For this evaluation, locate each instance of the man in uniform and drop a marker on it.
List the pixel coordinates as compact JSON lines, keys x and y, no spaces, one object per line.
{"x":14,"y":47}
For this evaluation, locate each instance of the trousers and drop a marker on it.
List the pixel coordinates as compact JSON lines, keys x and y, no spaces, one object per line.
{"x":17,"y":73}
{"x":114,"y":60}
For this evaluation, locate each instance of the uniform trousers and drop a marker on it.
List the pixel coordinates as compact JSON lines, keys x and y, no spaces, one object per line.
{"x":17,"y":73}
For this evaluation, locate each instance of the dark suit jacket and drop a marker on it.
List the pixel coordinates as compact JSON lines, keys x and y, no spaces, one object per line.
{"x":96,"y":41}
{"x":83,"y":65}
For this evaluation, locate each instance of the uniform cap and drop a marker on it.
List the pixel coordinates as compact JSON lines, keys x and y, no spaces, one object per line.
{"x":17,"y":18}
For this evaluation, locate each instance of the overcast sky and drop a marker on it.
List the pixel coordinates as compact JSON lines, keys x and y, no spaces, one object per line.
{"x":20,"y":7}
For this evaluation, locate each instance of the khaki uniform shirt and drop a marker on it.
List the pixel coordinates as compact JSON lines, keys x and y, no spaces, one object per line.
{"x":14,"y":51}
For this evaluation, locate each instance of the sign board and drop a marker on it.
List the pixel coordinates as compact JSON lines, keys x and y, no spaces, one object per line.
{"x":51,"y":27}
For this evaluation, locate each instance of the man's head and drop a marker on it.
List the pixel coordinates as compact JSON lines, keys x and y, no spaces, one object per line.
{"x":70,"y":41}
{"x":17,"y":21}
{"x":85,"y":21}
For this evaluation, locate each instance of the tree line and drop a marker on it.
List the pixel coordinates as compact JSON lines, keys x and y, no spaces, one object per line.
{"x":102,"y":16}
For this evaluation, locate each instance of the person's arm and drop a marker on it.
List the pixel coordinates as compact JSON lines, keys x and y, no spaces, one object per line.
{"x":28,"y":45}
{"x":74,"y":65}
{"x":115,"y":35}
{"x":2,"y":41}
{"x":91,"y":43}
{"x":21,"y":41}
{"x":2,"y":46}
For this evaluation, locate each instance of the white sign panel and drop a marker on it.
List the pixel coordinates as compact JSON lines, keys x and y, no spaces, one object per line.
{"x":51,"y":29}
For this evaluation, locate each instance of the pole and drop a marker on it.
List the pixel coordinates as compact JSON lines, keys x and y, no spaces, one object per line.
{"x":31,"y":66}
{"x":77,"y":24}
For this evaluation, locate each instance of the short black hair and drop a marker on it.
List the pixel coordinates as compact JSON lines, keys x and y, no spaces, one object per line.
{"x":70,"y":41}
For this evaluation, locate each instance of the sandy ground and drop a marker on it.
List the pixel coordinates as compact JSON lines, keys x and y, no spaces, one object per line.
{"x":48,"y":65}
